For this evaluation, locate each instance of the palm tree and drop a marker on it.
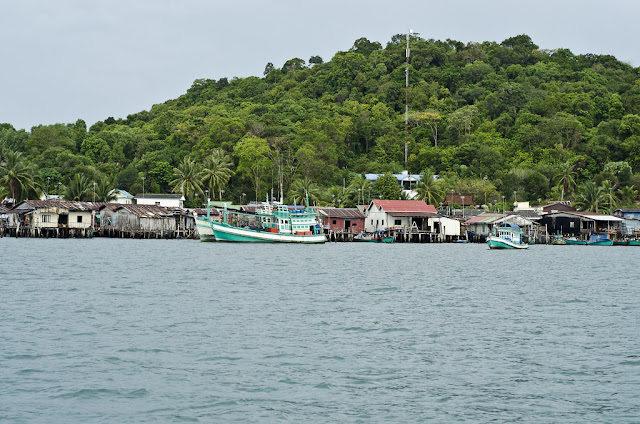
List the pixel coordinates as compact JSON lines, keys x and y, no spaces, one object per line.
{"x":358,"y":188}
{"x":301,"y":188}
{"x":591,"y":197}
{"x":79,"y":188}
{"x":105,"y":190}
{"x":17,"y":177}
{"x":217,"y":171}
{"x":628,"y":195}
{"x":335,"y":196}
{"x":187,"y":178}
{"x":565,"y":178}
{"x":429,"y":189}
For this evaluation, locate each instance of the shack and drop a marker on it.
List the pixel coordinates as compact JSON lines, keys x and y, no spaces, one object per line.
{"x":341,"y":220}
{"x":54,"y":218}
{"x":579,"y":224}
{"x":137,"y":221}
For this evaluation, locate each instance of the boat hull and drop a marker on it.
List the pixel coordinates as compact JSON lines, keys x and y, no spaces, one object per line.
{"x":576,"y":242}
{"x":500,"y":243}
{"x":389,"y":239}
{"x":203,"y":226}
{"x":601,"y":243}
{"x":230,"y":233}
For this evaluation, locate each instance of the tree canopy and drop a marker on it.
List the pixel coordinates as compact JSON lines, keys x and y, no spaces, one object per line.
{"x":508,"y":114}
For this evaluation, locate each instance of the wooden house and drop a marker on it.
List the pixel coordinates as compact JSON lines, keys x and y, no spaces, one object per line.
{"x":578,"y":223}
{"x":630,"y":221}
{"x":341,"y":220}
{"x":559,"y":206}
{"x":56,"y":218}
{"x":481,"y":225}
{"x":137,"y":221}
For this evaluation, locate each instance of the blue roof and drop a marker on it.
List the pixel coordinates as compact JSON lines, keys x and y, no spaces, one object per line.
{"x":125,"y":193}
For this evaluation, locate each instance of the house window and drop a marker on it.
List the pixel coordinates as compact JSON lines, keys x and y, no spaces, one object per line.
{"x":372,"y":222}
{"x":334,"y":222}
{"x":79,"y":219}
{"x":353,"y":225}
{"x":398,"y":222}
{"x":383,"y":222}
{"x":46,"y":218}
{"x":571,"y":224}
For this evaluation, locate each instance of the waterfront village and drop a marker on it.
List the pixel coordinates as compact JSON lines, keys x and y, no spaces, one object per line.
{"x":459,"y":218}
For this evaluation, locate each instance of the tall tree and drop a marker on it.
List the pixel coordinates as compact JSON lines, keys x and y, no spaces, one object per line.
{"x":590,"y":197}
{"x":105,"y":189}
{"x":17,"y":176}
{"x":429,"y":189}
{"x":565,"y":178}
{"x":303,"y":188}
{"x":359,"y":189}
{"x":79,"y":188}
{"x":387,"y":187}
{"x":253,"y":159}
{"x":187,"y":178}
{"x":217,"y":171}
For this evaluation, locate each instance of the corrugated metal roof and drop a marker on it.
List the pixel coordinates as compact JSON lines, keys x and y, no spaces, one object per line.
{"x":342,"y":212}
{"x":65,"y":204}
{"x":147,"y":211}
{"x":404,"y":206}
{"x":159,"y":196}
{"x":485,"y":218}
{"x":595,"y":216}
{"x":417,"y":214}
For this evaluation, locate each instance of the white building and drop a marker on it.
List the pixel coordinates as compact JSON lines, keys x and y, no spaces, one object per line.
{"x":164,"y":200}
{"x":123,"y":197}
{"x":398,"y":214}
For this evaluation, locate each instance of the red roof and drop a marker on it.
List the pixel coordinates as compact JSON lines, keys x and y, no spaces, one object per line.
{"x":404,"y":206}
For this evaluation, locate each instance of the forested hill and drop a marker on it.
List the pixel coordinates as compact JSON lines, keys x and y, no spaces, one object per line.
{"x":492,"y":119}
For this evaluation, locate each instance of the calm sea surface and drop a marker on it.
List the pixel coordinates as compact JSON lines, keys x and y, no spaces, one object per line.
{"x":111,"y":330}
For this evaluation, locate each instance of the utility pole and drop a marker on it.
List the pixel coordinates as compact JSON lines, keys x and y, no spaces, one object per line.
{"x":406,"y":109}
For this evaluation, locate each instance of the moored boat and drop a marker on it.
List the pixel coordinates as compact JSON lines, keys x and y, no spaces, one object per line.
{"x":507,"y":236}
{"x":600,"y":240}
{"x":558,"y":240}
{"x":272,"y":223}
{"x":575,"y":240}
{"x":203,"y":226}
{"x":375,"y":238}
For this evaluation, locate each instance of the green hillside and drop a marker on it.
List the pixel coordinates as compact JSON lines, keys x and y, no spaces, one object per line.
{"x":491,"y":119}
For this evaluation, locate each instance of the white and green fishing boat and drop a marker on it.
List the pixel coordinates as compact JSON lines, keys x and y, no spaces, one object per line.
{"x":272,"y":223}
{"x":507,"y":236}
{"x":203,"y":226}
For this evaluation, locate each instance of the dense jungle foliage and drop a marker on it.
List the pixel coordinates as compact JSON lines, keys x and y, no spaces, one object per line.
{"x":490,"y":119}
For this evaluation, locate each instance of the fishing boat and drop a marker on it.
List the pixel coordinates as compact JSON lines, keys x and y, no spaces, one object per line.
{"x":272,"y":223}
{"x":575,"y":240}
{"x":375,"y":238}
{"x":600,"y":240}
{"x":558,"y":240}
{"x":507,"y":236}
{"x":204,"y":228}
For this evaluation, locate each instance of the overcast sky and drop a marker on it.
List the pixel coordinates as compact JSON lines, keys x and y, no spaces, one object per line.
{"x":63,"y":60}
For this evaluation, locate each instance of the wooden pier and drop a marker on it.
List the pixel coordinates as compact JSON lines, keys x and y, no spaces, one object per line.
{"x":411,"y":236}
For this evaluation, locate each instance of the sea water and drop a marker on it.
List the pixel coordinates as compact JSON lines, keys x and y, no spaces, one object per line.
{"x":113,"y":330}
